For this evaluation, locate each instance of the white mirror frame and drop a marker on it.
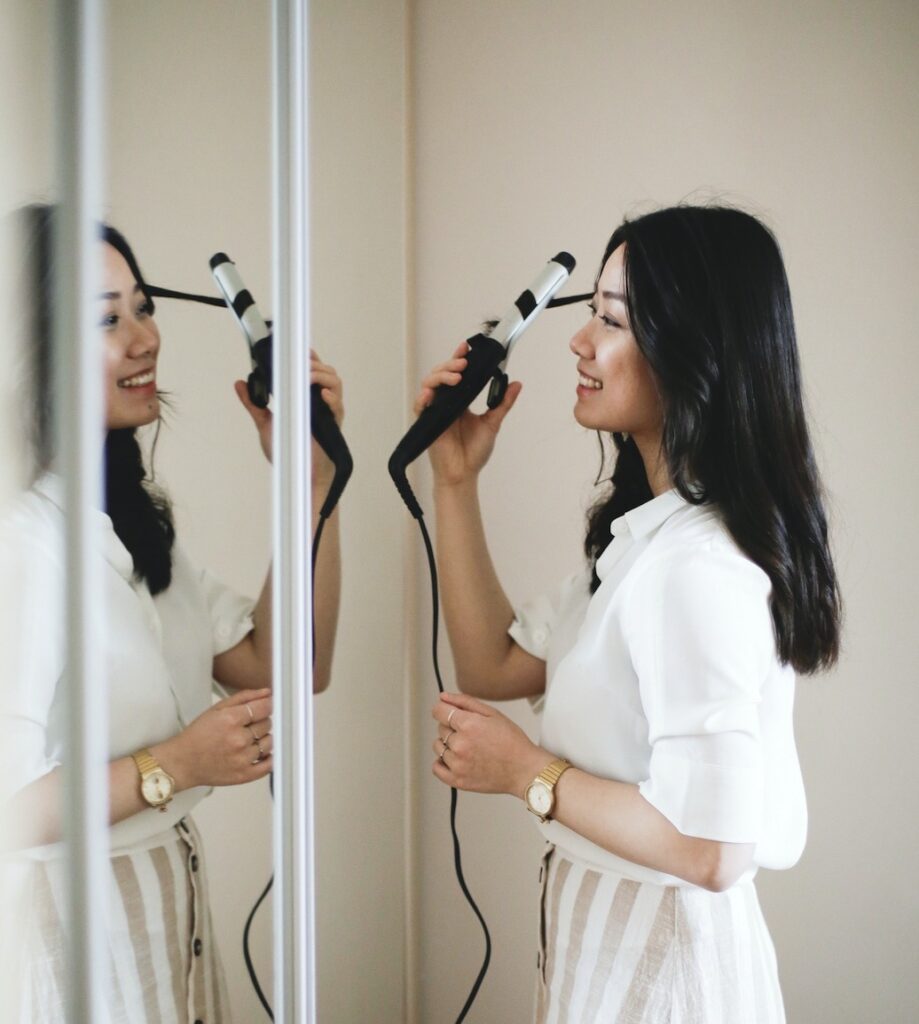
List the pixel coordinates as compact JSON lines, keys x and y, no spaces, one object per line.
{"x":293,"y":902}
{"x":79,"y":167}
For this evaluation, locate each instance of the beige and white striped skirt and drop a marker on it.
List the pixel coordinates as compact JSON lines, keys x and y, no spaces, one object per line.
{"x":618,"y":951}
{"x":164,"y":963}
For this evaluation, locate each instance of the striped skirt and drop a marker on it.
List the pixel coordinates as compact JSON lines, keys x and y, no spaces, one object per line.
{"x":164,"y":965}
{"x":616,"y":950}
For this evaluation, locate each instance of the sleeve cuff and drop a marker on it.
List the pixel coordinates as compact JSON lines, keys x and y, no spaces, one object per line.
{"x":707,"y":801}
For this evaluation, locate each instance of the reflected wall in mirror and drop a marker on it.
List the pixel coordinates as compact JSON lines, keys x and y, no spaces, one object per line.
{"x":190,"y":175}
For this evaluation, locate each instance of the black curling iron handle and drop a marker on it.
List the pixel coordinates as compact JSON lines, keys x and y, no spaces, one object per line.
{"x":329,"y":438}
{"x":449,"y":403}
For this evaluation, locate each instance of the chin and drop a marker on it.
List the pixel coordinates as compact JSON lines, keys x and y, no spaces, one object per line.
{"x":584,"y":419}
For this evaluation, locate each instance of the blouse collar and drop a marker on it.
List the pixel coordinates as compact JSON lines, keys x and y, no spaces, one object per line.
{"x":51,"y":486}
{"x":652,"y":514}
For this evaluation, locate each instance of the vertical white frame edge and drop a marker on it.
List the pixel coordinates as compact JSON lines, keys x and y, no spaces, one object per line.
{"x":293,"y":904}
{"x":79,"y":425}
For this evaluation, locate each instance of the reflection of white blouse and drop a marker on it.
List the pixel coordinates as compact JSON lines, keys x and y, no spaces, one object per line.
{"x":157,"y":653}
{"x":668,"y":677}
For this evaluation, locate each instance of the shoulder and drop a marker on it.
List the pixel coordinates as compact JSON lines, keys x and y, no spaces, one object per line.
{"x":694,"y":548}
{"x":693,"y":582}
{"x":31,"y":526}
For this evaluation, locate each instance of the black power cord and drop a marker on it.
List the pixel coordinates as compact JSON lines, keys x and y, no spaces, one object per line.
{"x":250,"y":966}
{"x":457,"y":856}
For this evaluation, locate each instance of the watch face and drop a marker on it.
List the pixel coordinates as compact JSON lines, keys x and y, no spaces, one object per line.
{"x":157,"y":788}
{"x":539,"y":798}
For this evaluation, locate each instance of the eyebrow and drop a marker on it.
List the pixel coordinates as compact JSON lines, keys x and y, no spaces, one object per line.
{"x":613,"y":295}
{"x":117,"y":295}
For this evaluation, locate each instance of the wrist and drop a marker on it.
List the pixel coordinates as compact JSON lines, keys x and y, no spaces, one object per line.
{"x":457,"y":488}
{"x":170,"y":756}
{"x":530,"y":767}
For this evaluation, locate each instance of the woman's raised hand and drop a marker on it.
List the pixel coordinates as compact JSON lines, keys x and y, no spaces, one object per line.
{"x":332,"y":393}
{"x":226,"y":745}
{"x":465,"y":446}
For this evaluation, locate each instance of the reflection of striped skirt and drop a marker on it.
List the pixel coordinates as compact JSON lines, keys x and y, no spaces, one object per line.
{"x":616,"y":950}
{"x":164,"y":964}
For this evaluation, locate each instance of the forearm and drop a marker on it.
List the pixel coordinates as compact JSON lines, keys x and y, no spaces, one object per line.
{"x":326,"y":596}
{"x":616,"y":817}
{"x":36,"y":813}
{"x":262,"y":640}
{"x":476,"y":610}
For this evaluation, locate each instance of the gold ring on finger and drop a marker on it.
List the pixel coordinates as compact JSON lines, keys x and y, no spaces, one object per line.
{"x":248,"y":708}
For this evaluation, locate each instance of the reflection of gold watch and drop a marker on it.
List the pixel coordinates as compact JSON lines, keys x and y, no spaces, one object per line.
{"x":540,"y":794}
{"x":157,"y":786}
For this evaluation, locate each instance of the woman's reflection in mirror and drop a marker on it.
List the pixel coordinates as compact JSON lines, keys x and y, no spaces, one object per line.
{"x":170,"y":631}
{"x":666,"y":771}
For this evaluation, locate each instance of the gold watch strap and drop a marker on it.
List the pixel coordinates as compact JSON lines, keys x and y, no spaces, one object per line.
{"x":554,"y":771}
{"x":146,"y":762}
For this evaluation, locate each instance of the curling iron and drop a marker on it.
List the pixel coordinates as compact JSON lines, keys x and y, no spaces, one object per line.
{"x":485,"y":361}
{"x":257,"y":332}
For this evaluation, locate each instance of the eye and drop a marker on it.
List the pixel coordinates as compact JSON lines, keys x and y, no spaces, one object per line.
{"x":608,"y":320}
{"x":143,"y":308}
{"x":109,"y":320}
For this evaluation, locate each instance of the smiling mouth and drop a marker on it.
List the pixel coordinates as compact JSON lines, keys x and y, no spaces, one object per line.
{"x":141,"y":380}
{"x":588,"y":382}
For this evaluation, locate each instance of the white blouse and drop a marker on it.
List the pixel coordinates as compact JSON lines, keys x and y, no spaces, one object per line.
{"x":158,"y":655}
{"x":667,"y":677}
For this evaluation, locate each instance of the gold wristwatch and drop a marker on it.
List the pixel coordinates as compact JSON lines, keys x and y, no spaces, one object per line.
{"x":157,"y":786}
{"x":540,"y":794}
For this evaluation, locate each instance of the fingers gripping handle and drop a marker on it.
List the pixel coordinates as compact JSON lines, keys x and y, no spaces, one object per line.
{"x":482,"y":361}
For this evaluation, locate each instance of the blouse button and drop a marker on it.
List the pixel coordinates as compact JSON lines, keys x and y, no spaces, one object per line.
{"x":540,"y":636}
{"x":223,"y":631}
{"x":197,"y":947}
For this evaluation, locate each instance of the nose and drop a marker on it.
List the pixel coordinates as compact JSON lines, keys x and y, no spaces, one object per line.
{"x":580,"y":343}
{"x":144,"y":340}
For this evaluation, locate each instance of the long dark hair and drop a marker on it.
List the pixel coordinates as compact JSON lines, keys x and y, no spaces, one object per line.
{"x":140,"y":511}
{"x":710,"y":310}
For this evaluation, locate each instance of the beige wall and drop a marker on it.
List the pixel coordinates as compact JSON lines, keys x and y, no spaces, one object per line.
{"x":537,"y":127}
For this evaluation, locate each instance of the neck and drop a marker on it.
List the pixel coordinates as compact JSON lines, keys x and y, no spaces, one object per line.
{"x":652,"y":455}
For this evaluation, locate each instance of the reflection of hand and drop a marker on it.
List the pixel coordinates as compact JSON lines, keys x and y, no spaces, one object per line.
{"x":480,"y":749}
{"x":332,"y":393}
{"x":260,"y":417}
{"x":221,"y":746}
{"x":466,"y":445}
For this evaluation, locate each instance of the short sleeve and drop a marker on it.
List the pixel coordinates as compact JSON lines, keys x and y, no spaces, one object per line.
{"x":230,"y":612}
{"x":535,"y":620}
{"x":700,"y":635}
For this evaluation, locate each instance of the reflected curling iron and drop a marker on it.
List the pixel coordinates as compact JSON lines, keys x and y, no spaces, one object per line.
{"x":257,"y":332}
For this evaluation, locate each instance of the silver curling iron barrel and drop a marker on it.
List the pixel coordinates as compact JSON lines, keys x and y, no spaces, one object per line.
{"x":485,"y":361}
{"x":258,"y":336}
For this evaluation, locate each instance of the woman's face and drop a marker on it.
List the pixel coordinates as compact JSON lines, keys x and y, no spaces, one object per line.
{"x":616,"y":389}
{"x":132,"y":344}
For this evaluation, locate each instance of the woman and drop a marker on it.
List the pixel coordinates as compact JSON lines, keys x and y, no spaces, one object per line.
{"x":666,"y":771}
{"x":171,"y":631}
